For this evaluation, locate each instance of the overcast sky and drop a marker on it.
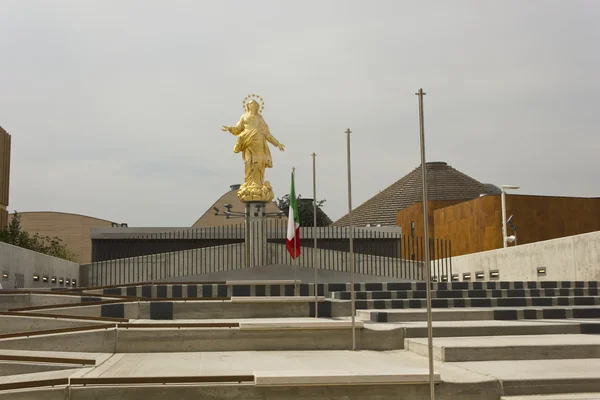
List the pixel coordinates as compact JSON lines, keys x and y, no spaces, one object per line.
{"x":115,"y":106}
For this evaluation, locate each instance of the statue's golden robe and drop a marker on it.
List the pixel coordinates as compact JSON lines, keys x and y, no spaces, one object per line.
{"x":253,"y":134}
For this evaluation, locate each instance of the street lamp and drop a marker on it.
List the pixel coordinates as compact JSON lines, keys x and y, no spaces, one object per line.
{"x":504,"y":188}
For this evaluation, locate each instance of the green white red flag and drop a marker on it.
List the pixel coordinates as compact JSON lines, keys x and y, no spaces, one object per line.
{"x":293,"y":231}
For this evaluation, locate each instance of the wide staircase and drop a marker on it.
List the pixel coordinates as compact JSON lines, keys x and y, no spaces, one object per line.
{"x":277,"y":340}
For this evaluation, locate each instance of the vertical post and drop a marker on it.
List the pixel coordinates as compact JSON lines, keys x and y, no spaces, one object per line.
{"x":315,"y":285}
{"x":351,"y":238}
{"x":426,"y":232}
{"x":296,"y":257}
{"x":503,"y":196}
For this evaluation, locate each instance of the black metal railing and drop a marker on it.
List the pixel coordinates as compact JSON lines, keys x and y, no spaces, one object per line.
{"x":128,"y":257}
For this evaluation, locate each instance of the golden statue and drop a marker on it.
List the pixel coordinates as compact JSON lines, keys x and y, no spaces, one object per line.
{"x":253,"y":134}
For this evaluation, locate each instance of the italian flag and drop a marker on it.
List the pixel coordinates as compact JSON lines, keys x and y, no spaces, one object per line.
{"x":293,"y":231}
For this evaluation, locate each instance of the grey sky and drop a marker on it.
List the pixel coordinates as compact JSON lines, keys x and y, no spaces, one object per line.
{"x":115,"y":107}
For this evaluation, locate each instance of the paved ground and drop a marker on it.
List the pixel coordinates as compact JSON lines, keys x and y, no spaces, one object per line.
{"x":249,"y":362}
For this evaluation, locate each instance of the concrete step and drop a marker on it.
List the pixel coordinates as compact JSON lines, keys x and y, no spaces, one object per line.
{"x":540,"y":377}
{"x":251,"y":337}
{"x":566,"y":396}
{"x":285,"y":288}
{"x":488,"y":328}
{"x":464,"y":314}
{"x":237,"y":307}
{"x":465,"y":294}
{"x":515,"y":347}
{"x":480,"y":302}
{"x":492,"y":313}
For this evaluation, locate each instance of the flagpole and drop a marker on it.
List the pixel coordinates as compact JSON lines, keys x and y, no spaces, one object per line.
{"x":295,"y":239}
{"x":315,"y":286}
{"x":427,"y":264}
{"x":351,"y":237}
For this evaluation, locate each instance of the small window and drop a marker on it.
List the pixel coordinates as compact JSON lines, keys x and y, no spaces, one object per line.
{"x":53,"y":279}
{"x":74,"y":282}
{"x":412,"y":228}
{"x":45,"y":279}
{"x":36,"y":278}
{"x":68,"y":282}
{"x":5,"y":276}
{"x":61,"y":281}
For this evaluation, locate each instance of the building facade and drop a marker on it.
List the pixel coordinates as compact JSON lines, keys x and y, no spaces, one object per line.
{"x":73,"y":229}
{"x":476,"y":225}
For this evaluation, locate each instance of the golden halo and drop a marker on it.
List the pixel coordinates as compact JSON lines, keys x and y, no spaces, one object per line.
{"x":254,"y":97}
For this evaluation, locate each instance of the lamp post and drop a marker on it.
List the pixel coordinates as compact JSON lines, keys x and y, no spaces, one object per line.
{"x":504,"y":187}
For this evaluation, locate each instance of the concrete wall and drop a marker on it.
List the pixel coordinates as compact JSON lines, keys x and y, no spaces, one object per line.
{"x":339,"y":261}
{"x":232,"y":257}
{"x":166,"y":265}
{"x":21,"y":265}
{"x":573,"y":258}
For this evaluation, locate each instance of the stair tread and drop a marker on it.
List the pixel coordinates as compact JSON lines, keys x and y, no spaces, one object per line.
{"x":564,"y":396}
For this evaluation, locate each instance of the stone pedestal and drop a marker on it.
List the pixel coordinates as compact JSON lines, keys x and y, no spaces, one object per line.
{"x":256,"y":233}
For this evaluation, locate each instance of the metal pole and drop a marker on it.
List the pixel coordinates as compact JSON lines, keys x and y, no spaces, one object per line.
{"x":503,"y":196}
{"x":296,"y":258}
{"x":426,"y":232}
{"x":315,"y":286}
{"x":351,"y":238}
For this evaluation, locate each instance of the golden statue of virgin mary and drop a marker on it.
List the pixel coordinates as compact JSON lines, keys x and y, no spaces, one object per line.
{"x":253,"y":138}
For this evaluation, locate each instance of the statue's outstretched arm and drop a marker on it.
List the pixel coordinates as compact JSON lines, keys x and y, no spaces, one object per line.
{"x":271,"y":139}
{"x":236,"y":130}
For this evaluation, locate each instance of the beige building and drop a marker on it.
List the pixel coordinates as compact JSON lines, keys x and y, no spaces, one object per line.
{"x":4,"y":176}
{"x":210,"y":219}
{"x":73,"y":229}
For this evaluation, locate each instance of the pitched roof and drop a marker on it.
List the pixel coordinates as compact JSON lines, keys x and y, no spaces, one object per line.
{"x":210,"y":219}
{"x":443,"y":183}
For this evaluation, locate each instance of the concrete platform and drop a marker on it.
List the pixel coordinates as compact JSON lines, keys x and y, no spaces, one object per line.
{"x":537,"y":377}
{"x":310,"y":377}
{"x":492,"y":348}
{"x":458,"y":381}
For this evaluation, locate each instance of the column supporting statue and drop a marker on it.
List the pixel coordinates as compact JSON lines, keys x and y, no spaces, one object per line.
{"x":253,"y":138}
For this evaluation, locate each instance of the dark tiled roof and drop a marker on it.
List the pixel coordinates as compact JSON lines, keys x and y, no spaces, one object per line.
{"x":444,"y":183}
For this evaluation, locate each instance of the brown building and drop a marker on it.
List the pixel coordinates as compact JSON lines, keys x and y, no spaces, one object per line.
{"x":476,"y":225}
{"x":446,"y":186}
{"x":4,"y":176}
{"x":72,"y":229}
{"x":210,"y":219}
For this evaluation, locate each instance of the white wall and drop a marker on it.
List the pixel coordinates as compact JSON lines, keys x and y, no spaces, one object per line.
{"x":16,"y":260}
{"x":572,"y":258}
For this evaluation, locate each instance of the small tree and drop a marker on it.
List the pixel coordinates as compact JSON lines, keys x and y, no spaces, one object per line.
{"x":15,"y":235}
{"x":305,"y":211}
